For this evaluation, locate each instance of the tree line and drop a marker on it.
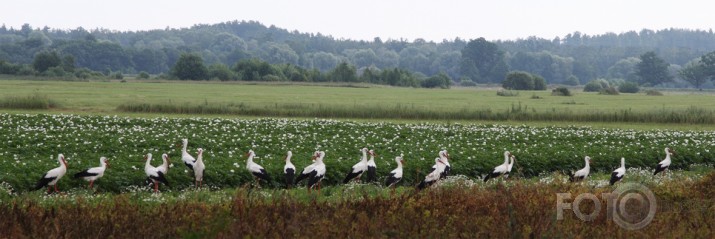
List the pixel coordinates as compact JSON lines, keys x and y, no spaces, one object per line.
{"x":573,"y":59}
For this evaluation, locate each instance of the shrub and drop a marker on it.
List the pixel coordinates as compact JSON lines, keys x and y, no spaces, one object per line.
{"x":468,"y":83}
{"x":143,"y":75}
{"x":628,"y":87}
{"x":507,"y":93}
{"x":596,"y":85}
{"x":572,"y":80}
{"x":561,"y":91}
{"x":654,"y":93}
{"x":118,"y":76}
{"x":539,"y":82}
{"x":608,"y":91}
{"x":518,"y":80}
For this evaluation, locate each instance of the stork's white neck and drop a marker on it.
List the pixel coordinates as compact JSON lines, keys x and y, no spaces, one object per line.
{"x":364,"y":156}
{"x":288,"y":158}
{"x":186,"y":143}
{"x":623,"y":162}
{"x":506,"y":158}
{"x":587,"y":166}
{"x":148,"y":161}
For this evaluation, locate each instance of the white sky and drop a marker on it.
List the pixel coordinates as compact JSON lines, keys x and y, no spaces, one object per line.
{"x":366,"y":19}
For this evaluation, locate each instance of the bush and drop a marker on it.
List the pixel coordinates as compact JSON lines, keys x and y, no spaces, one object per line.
{"x":628,"y":87}
{"x":54,"y":71}
{"x":143,"y":75}
{"x":572,"y":80}
{"x":608,"y":91}
{"x":518,"y":80}
{"x":561,"y":91}
{"x":596,"y":85}
{"x":654,"y":93}
{"x":118,"y":76}
{"x":26,"y":70}
{"x":468,"y":83}
{"x":507,"y":93}
{"x":539,"y":82}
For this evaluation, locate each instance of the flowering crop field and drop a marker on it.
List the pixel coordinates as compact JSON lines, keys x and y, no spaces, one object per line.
{"x":30,"y":144}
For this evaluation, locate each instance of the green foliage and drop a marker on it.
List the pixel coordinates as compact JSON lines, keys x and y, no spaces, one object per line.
{"x":572,"y":80}
{"x":507,"y":93}
{"x":440,"y":80}
{"x":654,"y":93}
{"x":596,"y":85}
{"x":34,"y":101}
{"x":344,"y":73}
{"x":483,"y":62}
{"x":653,"y":70}
{"x":143,"y":75}
{"x":561,"y":91}
{"x":539,"y":82}
{"x":518,"y":80}
{"x":221,"y":72}
{"x":46,"y":60}
{"x":117,"y":76}
{"x":467,"y":83}
{"x":608,"y":91}
{"x":190,"y":67}
{"x":628,"y":87}
{"x":695,"y":72}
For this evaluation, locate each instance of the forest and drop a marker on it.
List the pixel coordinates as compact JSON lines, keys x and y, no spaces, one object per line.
{"x":574,"y":59}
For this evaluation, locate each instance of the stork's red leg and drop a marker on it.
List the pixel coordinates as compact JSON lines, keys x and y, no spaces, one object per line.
{"x":91,"y":183}
{"x":48,"y":189}
{"x":156,"y":187}
{"x":56,"y":188}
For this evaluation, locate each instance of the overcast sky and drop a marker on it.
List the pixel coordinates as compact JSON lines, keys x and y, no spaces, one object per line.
{"x":366,"y":19}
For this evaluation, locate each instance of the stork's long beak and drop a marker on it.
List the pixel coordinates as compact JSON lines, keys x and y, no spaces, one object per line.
{"x":402,"y":161}
{"x":107,"y":162}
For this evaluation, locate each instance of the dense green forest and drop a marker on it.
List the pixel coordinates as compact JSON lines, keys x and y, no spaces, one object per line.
{"x":573,"y":59}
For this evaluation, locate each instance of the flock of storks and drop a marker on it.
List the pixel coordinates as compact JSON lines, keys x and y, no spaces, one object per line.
{"x":314,"y":172}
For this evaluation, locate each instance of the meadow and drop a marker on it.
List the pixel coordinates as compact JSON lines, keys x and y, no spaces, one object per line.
{"x":356,"y":101}
{"x":124,"y":121}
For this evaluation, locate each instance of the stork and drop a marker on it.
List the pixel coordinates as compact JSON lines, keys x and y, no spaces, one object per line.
{"x":95,"y":173}
{"x":396,"y":174}
{"x":444,"y":157}
{"x":434,"y":176}
{"x":663,"y":165}
{"x":501,"y":169}
{"x":358,"y":169}
{"x":582,"y":173}
{"x":154,"y":173}
{"x":51,"y":177}
{"x":371,"y":167}
{"x":189,"y":160}
{"x":308,"y":169}
{"x":199,"y":168}
{"x":288,"y":170}
{"x":512,"y":159}
{"x":256,"y":170}
{"x":618,"y":174}
{"x":318,"y":172}
{"x":164,"y":167}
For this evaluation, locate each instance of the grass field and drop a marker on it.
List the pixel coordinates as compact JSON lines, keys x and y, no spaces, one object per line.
{"x":461,"y":206}
{"x":372,"y":102}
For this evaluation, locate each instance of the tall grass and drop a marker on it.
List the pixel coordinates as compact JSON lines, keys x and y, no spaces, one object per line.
{"x":498,"y":211}
{"x":33,"y":101}
{"x":518,"y":112}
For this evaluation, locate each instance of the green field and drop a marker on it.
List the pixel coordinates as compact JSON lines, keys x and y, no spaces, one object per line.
{"x":85,"y":126}
{"x":368,"y":101}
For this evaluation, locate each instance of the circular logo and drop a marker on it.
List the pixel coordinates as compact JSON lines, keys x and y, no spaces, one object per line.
{"x":645,"y":199}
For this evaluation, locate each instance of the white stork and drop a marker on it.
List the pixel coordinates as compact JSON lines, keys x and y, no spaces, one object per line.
{"x":308,"y":169}
{"x":396,"y":174}
{"x":512,"y":159}
{"x":444,"y":157}
{"x":434,"y":176}
{"x":371,"y":167}
{"x":199,"y":168}
{"x":582,"y":173}
{"x":318,"y":172}
{"x":51,"y":177}
{"x":663,"y":165}
{"x":501,"y":169}
{"x":289,"y":170}
{"x":358,"y":169}
{"x":164,"y":167}
{"x":95,"y":173}
{"x":256,"y":170}
{"x":618,"y":174}
{"x":186,"y":157}
{"x":154,"y":173}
